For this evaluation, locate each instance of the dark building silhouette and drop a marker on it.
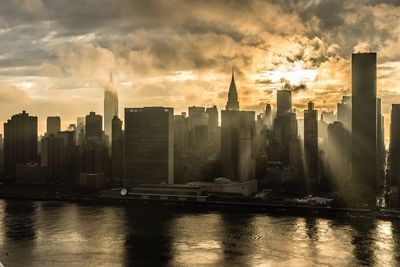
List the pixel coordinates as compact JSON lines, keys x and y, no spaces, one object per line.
{"x":181,"y":133}
{"x":93,"y":155}
{"x":198,"y":122}
{"x":1,"y":157}
{"x":285,"y":131}
{"x":80,"y":130}
{"x":94,"y":127}
{"x":285,"y":124}
{"x":70,"y":155}
{"x":93,"y":159}
{"x":20,"y":142}
{"x":338,"y":156}
{"x":260,"y":137}
{"x":394,"y":155}
{"x":149,"y":145}
{"x":284,"y":102}
{"x":110,"y":106}
{"x":117,"y":150}
{"x":311,"y":144}
{"x":380,"y":147}
{"x":344,"y":112}
{"x":364,"y":122}
{"x":53,"y":125}
{"x":52,"y":155}
{"x":233,"y":102}
{"x":237,"y":143}
{"x":213,"y":129}
{"x":181,"y":149}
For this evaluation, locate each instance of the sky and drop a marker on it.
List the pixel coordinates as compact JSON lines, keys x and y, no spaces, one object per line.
{"x":56,"y":55}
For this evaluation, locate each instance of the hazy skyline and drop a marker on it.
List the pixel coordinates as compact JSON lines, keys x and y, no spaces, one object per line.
{"x":55,"y":56}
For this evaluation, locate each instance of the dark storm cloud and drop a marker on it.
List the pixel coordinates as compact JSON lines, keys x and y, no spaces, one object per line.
{"x":295,"y":88}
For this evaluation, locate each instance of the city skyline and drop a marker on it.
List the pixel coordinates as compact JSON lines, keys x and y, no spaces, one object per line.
{"x":60,"y":67}
{"x":216,"y":133}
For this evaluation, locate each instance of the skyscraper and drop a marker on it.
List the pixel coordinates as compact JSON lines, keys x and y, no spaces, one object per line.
{"x":338,"y":155}
{"x":94,"y":127}
{"x":198,"y":121}
{"x":93,"y":153}
{"x":69,"y":155}
{"x":117,"y":150}
{"x":394,"y":153}
{"x":52,"y":155}
{"x":364,"y":123}
{"x":213,"y":129}
{"x":268,"y":116}
{"x":311,"y":144}
{"x":284,"y":102}
{"x":110,"y":106}
{"x":285,"y":123}
{"x":237,"y":142}
{"x":181,"y":134}
{"x":53,"y":125}
{"x":344,"y":112}
{"x":20,"y":142}
{"x":380,"y":147}
{"x":80,"y":130}
{"x":233,"y":102}
{"x":149,"y":145}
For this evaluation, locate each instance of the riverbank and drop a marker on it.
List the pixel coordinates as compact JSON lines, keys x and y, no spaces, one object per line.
{"x":71,"y":194}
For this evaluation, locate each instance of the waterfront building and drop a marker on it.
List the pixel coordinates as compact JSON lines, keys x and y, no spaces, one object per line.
{"x":149,"y":145}
{"x":117,"y":150}
{"x":237,"y":144}
{"x":311,"y":144}
{"x":338,"y":156}
{"x":394,"y":155}
{"x":364,"y":123}
{"x":20,"y":142}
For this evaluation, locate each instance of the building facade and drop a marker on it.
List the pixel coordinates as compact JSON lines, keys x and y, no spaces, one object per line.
{"x":20,"y":142}
{"x":149,"y":145}
{"x":311,"y":145}
{"x":237,"y":144}
{"x":53,"y":124}
{"x":364,"y":123}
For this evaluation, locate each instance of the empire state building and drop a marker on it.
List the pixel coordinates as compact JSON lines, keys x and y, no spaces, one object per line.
{"x":110,"y":106}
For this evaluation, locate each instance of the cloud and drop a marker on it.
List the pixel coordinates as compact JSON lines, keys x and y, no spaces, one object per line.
{"x":295,"y":88}
{"x":180,"y":53}
{"x":11,"y":95}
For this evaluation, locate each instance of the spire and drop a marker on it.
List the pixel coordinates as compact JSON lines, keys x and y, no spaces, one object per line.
{"x":233,"y":103}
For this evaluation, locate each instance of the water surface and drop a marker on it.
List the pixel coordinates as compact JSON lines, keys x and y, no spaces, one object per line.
{"x":34,"y":233}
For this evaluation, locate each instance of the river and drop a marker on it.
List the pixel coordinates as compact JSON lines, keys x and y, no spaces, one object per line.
{"x":35,"y":233}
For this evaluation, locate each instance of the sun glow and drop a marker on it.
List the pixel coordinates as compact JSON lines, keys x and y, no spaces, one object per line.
{"x":294,"y":75}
